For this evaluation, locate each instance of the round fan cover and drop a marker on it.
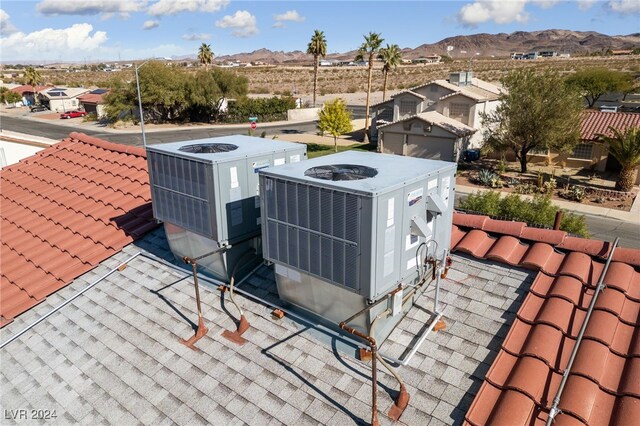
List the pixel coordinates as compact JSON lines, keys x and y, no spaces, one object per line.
{"x":341,"y":172}
{"x":208,"y":148}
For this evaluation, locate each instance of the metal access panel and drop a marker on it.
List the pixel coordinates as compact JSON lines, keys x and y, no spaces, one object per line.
{"x":357,"y":219}
{"x":210,"y":186}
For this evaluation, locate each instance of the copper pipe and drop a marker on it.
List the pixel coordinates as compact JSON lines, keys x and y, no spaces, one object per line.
{"x":374,"y":369}
{"x":202,"y":329}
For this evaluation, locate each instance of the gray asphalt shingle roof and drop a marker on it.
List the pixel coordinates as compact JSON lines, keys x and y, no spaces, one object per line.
{"x":113,"y":356}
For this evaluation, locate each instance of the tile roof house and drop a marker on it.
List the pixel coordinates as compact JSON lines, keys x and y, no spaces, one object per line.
{"x":588,"y":153}
{"x":462,"y":99}
{"x":28,"y":92}
{"x":64,"y":210}
{"x":513,"y":302}
{"x":93,"y":102}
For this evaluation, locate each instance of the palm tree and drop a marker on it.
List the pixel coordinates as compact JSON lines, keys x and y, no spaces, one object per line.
{"x":625,"y":147}
{"x":205,"y":54}
{"x":317,"y":47}
{"x":391,"y":57}
{"x":369,"y":49}
{"x":33,"y":78}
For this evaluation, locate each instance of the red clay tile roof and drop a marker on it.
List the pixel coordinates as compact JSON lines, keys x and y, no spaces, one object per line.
{"x":27,"y":88}
{"x":92,"y":98}
{"x":604,"y":383}
{"x":64,"y":210}
{"x":594,"y":122}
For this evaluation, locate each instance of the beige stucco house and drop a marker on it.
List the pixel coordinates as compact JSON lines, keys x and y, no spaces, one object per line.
{"x":455,"y":104}
{"x":425,"y":135}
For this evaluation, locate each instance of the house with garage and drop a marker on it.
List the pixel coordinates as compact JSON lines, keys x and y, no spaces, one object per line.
{"x":457,"y":102}
{"x":61,"y":99}
{"x":426,"y":135}
{"x":93,"y":102}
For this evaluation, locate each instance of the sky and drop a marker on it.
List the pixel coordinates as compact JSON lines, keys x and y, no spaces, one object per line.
{"x":87,"y":31}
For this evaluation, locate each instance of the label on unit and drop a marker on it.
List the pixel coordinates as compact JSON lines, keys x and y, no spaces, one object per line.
{"x":390,"y":211}
{"x":414,"y":196}
{"x":233,"y":171}
{"x":278,"y":161}
{"x":294,"y":158}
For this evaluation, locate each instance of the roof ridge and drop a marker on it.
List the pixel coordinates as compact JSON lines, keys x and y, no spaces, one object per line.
{"x":110,"y":146}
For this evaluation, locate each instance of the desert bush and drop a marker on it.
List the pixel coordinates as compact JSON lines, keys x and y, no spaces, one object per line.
{"x":574,"y":193}
{"x":269,"y":109}
{"x":538,"y":211}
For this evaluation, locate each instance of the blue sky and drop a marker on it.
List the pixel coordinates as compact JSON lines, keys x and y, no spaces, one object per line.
{"x":94,"y":30}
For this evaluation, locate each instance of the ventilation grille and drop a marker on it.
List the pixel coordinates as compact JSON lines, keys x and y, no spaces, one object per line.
{"x":208,"y":148}
{"x":181,"y":193}
{"x":314,"y":229}
{"x":341,"y":172}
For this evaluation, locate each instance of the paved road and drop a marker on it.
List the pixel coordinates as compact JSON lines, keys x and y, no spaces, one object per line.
{"x":600,"y":227}
{"x":55,"y":131}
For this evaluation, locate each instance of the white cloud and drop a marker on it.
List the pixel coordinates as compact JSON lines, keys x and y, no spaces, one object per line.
{"x":148,"y":25}
{"x":6,"y":27}
{"x":48,"y":44}
{"x":278,"y":24}
{"x":624,"y":7}
{"x":172,"y":7}
{"x":585,"y":4}
{"x":290,"y":15}
{"x":242,"y":22}
{"x":196,"y":37}
{"x":90,"y":7}
{"x":498,"y":11}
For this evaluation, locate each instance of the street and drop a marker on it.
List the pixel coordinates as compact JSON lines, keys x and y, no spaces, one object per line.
{"x":600,"y":227}
{"x":54,"y":131}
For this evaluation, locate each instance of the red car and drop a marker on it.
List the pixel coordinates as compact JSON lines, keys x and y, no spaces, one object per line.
{"x":73,"y":114}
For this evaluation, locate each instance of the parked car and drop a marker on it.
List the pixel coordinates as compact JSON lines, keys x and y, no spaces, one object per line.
{"x":73,"y":114}
{"x":36,"y":108}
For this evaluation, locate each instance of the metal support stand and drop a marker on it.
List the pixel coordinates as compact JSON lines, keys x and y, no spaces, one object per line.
{"x":201,"y":331}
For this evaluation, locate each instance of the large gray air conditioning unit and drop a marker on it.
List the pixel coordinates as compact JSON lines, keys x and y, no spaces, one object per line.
{"x":207,"y":194}
{"x":345,"y":229}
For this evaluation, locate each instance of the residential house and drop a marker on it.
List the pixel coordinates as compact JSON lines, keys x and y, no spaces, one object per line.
{"x":589,"y":154}
{"x":426,"y":135}
{"x":93,"y":102}
{"x":61,"y":99}
{"x":461,"y":98}
{"x":28,"y":92}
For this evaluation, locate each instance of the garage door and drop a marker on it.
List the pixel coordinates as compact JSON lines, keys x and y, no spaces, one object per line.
{"x":435,"y":149}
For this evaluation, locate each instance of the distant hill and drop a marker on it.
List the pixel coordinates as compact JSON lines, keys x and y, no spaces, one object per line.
{"x":502,"y":44}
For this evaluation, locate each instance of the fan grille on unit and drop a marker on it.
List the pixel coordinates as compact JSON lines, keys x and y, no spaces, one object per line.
{"x":208,"y":148}
{"x":341,"y":172}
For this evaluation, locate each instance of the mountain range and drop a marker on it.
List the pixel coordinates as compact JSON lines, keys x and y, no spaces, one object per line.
{"x":482,"y":45}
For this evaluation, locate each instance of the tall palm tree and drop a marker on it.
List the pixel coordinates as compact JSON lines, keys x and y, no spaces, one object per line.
{"x":317,"y":47}
{"x":205,"y":54}
{"x":625,"y":147}
{"x":369,"y":50}
{"x":33,"y":78}
{"x":391,"y":57}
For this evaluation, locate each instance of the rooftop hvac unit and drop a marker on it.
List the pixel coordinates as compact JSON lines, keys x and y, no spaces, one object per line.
{"x":206,"y":192}
{"x":346,"y":229}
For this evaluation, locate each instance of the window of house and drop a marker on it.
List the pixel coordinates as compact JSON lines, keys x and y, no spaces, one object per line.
{"x":459,"y":111}
{"x":583,"y":151}
{"x":407,"y":107}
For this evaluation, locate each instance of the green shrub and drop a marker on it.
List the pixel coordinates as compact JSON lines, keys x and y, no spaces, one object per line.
{"x":539,"y":211}
{"x":266,"y":109}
